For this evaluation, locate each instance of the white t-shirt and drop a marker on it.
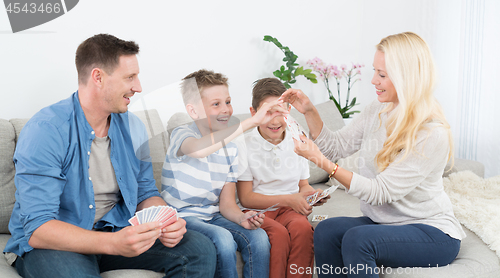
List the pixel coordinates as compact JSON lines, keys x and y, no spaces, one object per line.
{"x":274,"y":169}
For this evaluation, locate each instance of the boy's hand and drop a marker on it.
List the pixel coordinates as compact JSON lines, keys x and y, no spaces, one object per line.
{"x":297,"y":99}
{"x":252,"y":223}
{"x":299,"y":204}
{"x":323,"y":200}
{"x":268,"y":111}
{"x":132,"y":241}
{"x":173,"y":233}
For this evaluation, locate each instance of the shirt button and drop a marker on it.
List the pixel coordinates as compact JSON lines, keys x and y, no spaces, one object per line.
{"x":88,"y":153}
{"x":92,"y":132}
{"x":91,"y":207}
{"x":90,"y":178}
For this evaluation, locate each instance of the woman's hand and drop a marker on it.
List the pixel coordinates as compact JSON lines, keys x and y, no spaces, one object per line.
{"x":297,"y":99}
{"x":308,"y":150}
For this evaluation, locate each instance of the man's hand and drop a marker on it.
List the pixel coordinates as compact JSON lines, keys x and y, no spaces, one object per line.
{"x":172,"y":234}
{"x":132,"y":241}
{"x":252,"y":223}
{"x":299,"y":204}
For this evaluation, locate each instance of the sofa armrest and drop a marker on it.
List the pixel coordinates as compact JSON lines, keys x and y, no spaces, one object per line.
{"x":464,"y":164}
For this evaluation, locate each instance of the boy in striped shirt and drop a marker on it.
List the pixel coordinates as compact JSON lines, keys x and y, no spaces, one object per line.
{"x":200,"y":172}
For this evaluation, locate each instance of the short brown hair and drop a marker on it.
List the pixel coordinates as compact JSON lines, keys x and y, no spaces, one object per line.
{"x":266,"y":87}
{"x":103,"y":51}
{"x":193,"y":84}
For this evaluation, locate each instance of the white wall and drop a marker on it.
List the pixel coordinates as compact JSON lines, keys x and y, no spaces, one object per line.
{"x":179,"y":37}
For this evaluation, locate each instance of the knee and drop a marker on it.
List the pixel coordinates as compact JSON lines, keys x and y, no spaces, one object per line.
{"x":204,"y":246}
{"x":224,"y":242}
{"x":260,"y":241}
{"x":301,"y":228}
{"x":357,"y":241}
{"x":329,"y":233}
{"x":279,"y":235}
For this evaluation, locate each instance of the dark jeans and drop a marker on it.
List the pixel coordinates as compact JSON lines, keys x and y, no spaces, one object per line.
{"x":354,"y":247}
{"x":194,"y":256}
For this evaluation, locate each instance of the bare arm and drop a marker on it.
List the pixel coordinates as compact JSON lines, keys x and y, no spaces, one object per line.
{"x":129,"y":242}
{"x":210,"y":143}
{"x":230,"y":210}
{"x":296,"y":201}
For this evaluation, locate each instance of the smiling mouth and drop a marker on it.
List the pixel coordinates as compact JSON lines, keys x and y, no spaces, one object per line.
{"x":223,"y":120}
{"x":274,"y":128}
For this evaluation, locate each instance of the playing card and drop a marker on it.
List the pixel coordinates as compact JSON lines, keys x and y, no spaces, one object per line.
{"x":295,"y":128}
{"x":133,"y":221}
{"x":317,"y":218}
{"x":261,"y":212}
{"x":312,"y":198}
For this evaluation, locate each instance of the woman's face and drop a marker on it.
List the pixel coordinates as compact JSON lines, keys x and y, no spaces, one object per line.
{"x":384,"y":88}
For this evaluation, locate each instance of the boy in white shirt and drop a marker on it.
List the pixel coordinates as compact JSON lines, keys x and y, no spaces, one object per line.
{"x":271,"y":172}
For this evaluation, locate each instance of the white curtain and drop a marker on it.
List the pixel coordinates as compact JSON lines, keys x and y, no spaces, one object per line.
{"x":466,"y":44}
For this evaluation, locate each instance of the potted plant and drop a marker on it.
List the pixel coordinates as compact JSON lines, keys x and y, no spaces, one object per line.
{"x":288,"y":72}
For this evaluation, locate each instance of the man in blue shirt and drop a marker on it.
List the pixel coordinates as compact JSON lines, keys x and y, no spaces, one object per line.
{"x":83,"y":169}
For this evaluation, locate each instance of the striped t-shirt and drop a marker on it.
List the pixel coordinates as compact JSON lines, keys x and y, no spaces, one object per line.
{"x":193,"y":185}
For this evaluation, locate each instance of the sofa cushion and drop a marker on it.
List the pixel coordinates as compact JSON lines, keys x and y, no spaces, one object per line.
{"x":7,"y":173}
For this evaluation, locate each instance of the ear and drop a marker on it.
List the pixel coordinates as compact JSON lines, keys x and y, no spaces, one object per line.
{"x":252,"y":111}
{"x":191,"y":110}
{"x":96,"y":76}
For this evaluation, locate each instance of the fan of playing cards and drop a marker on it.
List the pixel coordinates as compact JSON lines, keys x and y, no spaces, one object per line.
{"x":166,"y":215}
{"x":295,"y":128}
{"x":314,"y":198}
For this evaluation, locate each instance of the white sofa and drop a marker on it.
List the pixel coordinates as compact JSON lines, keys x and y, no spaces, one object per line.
{"x":474,"y":260}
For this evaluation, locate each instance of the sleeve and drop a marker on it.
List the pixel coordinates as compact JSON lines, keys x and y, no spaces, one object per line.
{"x":178,"y":136}
{"x":39,"y":161}
{"x":233,"y":168}
{"x":140,"y":141}
{"x":347,"y":140}
{"x":403,"y":176}
{"x":305,"y":168}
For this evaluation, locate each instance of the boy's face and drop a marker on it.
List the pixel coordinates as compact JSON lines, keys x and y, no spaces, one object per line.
{"x":215,"y":108}
{"x":274,"y":130}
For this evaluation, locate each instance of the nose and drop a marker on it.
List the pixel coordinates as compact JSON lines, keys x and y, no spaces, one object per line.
{"x":137,"y":86}
{"x":375,"y":79}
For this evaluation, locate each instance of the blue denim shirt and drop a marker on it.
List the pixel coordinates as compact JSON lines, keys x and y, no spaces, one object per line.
{"x":52,"y":177}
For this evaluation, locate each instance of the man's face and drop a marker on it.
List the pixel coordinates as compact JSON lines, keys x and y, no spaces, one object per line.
{"x":121,"y":85}
{"x":216,"y":109}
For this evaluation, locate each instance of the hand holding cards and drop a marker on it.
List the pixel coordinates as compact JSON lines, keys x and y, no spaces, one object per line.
{"x":261,"y":212}
{"x":166,"y":215}
{"x":314,"y":198}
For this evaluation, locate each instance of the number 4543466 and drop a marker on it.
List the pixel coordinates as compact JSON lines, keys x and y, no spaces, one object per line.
{"x":34,"y":8}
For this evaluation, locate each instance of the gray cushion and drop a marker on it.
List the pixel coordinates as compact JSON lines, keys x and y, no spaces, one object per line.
{"x":7,"y":173}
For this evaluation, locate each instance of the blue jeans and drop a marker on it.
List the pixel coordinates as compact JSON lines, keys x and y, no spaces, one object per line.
{"x":354,"y":247}
{"x":194,"y":256}
{"x":228,"y":237}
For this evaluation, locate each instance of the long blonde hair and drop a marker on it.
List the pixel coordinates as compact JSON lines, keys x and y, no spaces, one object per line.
{"x":410,"y":67}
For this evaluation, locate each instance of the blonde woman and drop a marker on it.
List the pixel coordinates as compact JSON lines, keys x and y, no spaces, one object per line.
{"x":404,"y":142}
